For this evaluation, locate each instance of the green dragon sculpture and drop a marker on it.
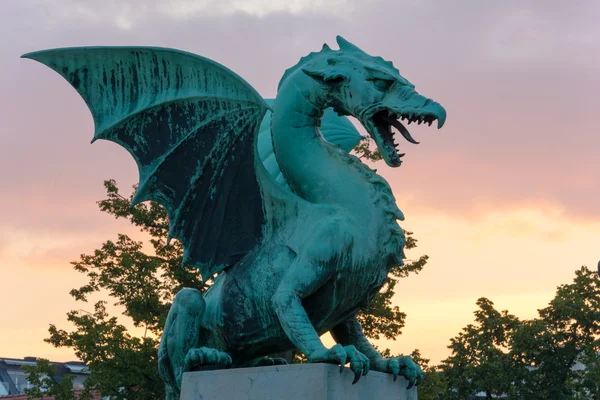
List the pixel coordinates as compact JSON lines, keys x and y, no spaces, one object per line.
{"x":294,"y":256}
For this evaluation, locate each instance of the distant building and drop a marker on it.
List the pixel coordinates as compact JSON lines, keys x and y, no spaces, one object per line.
{"x":13,"y":380}
{"x":24,"y":397}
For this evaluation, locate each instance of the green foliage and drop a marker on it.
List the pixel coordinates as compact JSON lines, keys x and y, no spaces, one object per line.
{"x":144,"y":283}
{"x":380,"y":318}
{"x":364,"y":151}
{"x":566,"y":334}
{"x":122,"y":366}
{"x":542,"y":358}
{"x":433,"y":384}
{"x":40,"y":377}
{"x":586,"y":383}
{"x":480,"y":361}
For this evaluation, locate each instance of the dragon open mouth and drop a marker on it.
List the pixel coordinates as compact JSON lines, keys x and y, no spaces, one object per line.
{"x":380,"y":128}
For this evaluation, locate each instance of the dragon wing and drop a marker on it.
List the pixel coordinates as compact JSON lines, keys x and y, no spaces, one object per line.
{"x":190,"y":124}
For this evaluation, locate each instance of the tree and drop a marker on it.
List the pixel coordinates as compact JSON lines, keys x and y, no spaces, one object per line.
{"x":122,"y":366}
{"x":43,"y":384}
{"x":586,"y":384}
{"x":381,"y":318}
{"x":433,"y":386}
{"x":553,"y":356}
{"x":553,"y":348}
{"x":125,"y":366}
{"x":364,"y":150}
{"x":480,"y":361}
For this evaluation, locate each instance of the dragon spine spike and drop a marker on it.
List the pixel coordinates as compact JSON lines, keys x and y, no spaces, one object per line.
{"x":347,"y":46}
{"x":303,"y":61}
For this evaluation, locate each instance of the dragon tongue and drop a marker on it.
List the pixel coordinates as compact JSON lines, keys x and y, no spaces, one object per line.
{"x":398,"y":125}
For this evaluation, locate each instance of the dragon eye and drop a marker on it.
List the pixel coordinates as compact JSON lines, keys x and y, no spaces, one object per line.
{"x":383,"y":84}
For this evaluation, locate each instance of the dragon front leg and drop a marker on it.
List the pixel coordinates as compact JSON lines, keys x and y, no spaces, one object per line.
{"x":300,"y":281}
{"x":350,"y":333}
{"x":314,"y":267}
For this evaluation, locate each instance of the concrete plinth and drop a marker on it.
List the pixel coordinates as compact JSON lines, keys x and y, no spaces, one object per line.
{"x":292,"y":382}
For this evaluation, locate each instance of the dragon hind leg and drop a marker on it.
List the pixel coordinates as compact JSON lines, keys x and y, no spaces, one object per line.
{"x":180,"y":349}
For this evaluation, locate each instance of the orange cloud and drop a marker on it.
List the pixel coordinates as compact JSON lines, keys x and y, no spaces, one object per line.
{"x":516,"y":256}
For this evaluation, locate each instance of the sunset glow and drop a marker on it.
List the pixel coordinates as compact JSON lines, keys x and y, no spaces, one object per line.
{"x":505,"y":199}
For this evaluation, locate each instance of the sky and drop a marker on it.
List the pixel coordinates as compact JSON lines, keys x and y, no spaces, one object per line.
{"x":505,"y":199}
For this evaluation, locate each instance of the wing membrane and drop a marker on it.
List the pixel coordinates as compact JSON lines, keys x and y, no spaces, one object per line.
{"x":189,"y":123}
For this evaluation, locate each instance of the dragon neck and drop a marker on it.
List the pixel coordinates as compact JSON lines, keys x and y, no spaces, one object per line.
{"x":324,"y":174}
{"x":315,"y":170}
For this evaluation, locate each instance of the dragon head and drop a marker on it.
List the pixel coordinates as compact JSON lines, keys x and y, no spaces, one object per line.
{"x":373,"y":91}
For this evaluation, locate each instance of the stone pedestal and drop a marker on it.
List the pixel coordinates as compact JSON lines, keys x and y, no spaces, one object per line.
{"x":292,"y":382}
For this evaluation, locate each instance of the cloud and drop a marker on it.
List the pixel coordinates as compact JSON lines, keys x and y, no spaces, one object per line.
{"x":518,"y":131}
{"x":528,"y":33}
{"x":126,"y":14}
{"x":52,"y":254}
{"x":3,"y":243}
{"x":504,"y":250}
{"x":63,"y":209}
{"x":504,"y":199}
{"x":58,"y":257}
{"x":48,"y":247}
{"x":515,"y":256}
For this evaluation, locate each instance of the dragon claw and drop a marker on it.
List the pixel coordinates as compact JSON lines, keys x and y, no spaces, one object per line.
{"x":359,"y":363}
{"x":419,"y":379}
{"x":356,"y":377}
{"x":401,"y":366}
{"x":268,"y":361}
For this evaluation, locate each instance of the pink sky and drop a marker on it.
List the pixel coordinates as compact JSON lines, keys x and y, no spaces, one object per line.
{"x":504,"y":199}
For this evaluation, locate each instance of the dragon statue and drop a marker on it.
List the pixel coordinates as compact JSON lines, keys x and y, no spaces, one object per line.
{"x":298,"y":240}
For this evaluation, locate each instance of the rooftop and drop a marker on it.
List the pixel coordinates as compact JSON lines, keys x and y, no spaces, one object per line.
{"x":13,"y":380}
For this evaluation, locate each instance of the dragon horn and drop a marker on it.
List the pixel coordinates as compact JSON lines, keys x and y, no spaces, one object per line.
{"x":346,"y":45}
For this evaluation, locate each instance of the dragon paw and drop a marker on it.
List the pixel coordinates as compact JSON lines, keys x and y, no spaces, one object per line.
{"x":338,"y":354}
{"x":203,"y":356}
{"x":403,"y":366}
{"x":269,"y":361}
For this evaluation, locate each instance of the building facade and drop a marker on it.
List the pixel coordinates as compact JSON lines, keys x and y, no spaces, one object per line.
{"x":13,"y":380}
